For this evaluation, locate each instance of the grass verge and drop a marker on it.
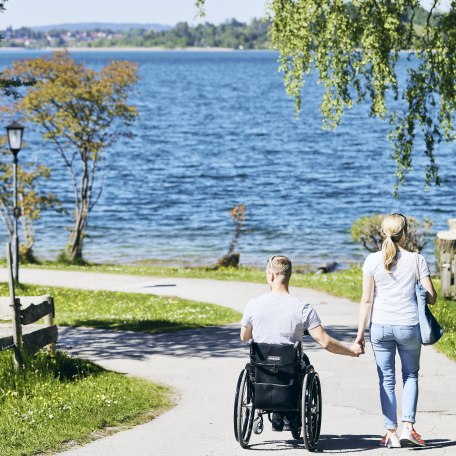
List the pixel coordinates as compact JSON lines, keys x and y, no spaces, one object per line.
{"x":445,"y":312}
{"x":60,"y":401}
{"x":128,"y":311}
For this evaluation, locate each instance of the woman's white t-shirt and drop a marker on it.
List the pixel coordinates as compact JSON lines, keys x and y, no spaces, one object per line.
{"x":394,"y":295}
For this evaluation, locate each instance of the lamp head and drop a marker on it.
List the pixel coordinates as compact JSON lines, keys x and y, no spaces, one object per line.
{"x":15,"y":133}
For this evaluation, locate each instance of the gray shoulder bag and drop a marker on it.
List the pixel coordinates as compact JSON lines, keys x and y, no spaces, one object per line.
{"x":430,"y":329}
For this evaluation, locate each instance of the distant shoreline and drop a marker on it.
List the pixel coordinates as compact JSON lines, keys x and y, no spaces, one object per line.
{"x":122,"y":49}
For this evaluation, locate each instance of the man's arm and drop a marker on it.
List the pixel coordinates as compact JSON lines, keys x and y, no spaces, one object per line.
{"x":246,"y":333}
{"x":332,"y":345}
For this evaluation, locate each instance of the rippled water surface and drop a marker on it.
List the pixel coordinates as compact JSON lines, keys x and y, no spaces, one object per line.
{"x":216,"y":129}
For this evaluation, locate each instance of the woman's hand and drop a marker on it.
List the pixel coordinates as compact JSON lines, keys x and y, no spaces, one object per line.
{"x":360,"y":341}
{"x":357,"y":349}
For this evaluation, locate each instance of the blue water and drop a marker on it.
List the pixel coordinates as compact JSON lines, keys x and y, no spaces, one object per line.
{"x":216,"y":129}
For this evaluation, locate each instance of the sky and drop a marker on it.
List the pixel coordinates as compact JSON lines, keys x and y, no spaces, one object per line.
{"x":26,"y":13}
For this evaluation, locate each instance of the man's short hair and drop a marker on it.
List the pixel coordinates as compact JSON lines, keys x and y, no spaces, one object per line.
{"x":280,"y":265}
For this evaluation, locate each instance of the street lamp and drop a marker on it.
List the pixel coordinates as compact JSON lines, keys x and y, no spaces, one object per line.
{"x":15,"y":132}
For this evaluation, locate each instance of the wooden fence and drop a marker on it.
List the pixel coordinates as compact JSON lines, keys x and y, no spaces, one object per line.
{"x":23,"y":311}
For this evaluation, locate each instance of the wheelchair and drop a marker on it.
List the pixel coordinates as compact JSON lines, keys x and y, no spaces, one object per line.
{"x":279,"y":378}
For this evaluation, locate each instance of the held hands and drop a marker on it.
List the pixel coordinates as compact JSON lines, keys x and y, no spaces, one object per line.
{"x":358,"y":346}
{"x":357,"y":349}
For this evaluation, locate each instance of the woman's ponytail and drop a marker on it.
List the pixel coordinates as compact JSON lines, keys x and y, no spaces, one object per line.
{"x":389,"y":250}
{"x":394,"y":230}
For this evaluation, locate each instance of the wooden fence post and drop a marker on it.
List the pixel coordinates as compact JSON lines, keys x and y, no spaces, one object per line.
{"x":49,"y":321}
{"x":16,"y":306}
{"x":446,"y":244}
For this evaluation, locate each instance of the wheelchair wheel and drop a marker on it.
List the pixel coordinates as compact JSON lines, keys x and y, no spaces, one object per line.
{"x":243,"y":410}
{"x":311,"y":409}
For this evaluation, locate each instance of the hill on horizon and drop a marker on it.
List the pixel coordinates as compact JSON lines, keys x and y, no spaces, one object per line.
{"x":83,"y":26}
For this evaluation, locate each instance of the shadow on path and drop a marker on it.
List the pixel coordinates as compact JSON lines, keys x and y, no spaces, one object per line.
{"x":436,"y":443}
{"x":347,"y":443}
{"x":219,"y":342}
{"x":350,"y":443}
{"x":104,"y":344}
{"x":326,"y":444}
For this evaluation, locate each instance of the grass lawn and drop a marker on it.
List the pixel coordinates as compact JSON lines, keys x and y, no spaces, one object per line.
{"x":57,"y":402}
{"x":128,"y":311}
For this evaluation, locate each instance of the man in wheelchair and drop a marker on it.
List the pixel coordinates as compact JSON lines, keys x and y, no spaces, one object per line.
{"x":279,"y":318}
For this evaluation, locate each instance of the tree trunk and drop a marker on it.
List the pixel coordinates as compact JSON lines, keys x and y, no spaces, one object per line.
{"x":26,"y":254}
{"x":73,"y":250}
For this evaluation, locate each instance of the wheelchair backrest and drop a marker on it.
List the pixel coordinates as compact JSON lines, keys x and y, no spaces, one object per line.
{"x":276,"y":375}
{"x":273,"y":363}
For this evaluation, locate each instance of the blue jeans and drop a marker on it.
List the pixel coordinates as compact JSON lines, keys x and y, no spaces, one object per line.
{"x":407,"y":339}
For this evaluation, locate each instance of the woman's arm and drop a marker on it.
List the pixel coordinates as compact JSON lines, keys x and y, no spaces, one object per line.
{"x":431,"y":295}
{"x":365,"y":307}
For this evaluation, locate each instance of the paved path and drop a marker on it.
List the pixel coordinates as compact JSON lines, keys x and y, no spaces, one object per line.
{"x":203,"y":366}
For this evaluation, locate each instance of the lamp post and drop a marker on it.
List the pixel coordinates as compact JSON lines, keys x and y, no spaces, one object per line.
{"x":15,"y":132}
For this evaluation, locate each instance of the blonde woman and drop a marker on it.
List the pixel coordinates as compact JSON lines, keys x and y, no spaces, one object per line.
{"x":389,"y":299}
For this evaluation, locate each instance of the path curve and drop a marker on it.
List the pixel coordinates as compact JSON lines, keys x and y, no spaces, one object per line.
{"x":203,"y":366}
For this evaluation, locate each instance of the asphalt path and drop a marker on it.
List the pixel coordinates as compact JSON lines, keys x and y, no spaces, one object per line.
{"x":203,"y":365}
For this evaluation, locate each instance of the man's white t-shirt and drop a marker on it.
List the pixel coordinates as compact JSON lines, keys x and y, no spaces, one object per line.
{"x":279,"y":318}
{"x":394,"y":296}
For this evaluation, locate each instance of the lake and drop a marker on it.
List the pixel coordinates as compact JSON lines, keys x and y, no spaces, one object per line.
{"x":216,"y":129}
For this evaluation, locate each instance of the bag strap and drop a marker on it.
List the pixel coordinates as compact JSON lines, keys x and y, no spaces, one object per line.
{"x":417,"y":271}
{"x":274,"y":368}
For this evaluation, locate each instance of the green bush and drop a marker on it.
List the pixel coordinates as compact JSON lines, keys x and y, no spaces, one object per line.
{"x":367,"y":232}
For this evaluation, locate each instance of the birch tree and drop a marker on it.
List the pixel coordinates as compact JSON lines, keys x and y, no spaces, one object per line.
{"x":354,"y":47}
{"x":81,"y":112}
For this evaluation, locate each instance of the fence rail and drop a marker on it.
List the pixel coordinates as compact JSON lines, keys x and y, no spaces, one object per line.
{"x":23,"y":311}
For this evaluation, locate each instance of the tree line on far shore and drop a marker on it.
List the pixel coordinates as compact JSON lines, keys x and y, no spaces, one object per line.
{"x":231,"y":34}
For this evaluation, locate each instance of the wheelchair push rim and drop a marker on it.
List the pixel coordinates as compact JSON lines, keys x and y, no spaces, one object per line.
{"x":311,"y":409}
{"x":243,"y":410}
